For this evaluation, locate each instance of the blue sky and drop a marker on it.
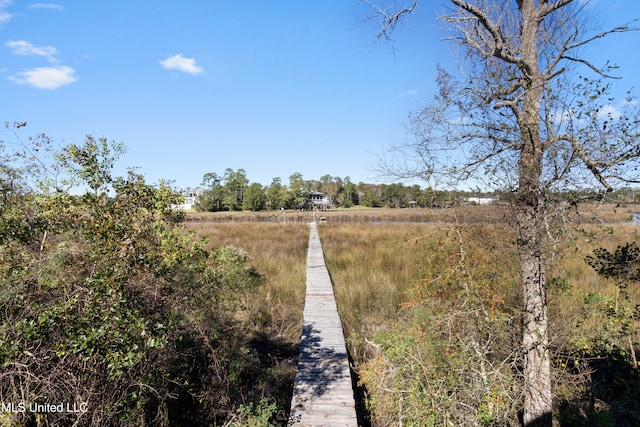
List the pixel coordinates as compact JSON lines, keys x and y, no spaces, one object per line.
{"x":196,"y":86}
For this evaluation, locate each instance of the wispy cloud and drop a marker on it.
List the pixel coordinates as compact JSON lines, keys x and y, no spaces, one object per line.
{"x":412,"y":92}
{"x":4,"y":15}
{"x":180,"y":63}
{"x":606,"y":112}
{"x":46,"y":77}
{"x":51,"y":6}
{"x":609,"y":112}
{"x":23,"y":47}
{"x":49,"y":78}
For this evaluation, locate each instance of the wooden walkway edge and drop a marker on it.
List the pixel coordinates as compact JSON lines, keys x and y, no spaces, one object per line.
{"x":322,"y":391}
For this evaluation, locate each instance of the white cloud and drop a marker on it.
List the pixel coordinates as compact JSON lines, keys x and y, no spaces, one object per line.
{"x":23,"y":47}
{"x":52,"y":6}
{"x":46,"y":77}
{"x":609,"y":111}
{"x":180,"y":63}
{"x":412,"y":92}
{"x":4,"y":15}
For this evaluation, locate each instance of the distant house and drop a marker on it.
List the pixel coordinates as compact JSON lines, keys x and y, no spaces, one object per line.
{"x":320,"y":201}
{"x":190,"y":195}
{"x":482,"y":200}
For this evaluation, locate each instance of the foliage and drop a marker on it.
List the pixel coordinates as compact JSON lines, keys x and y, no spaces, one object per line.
{"x":232,"y":191}
{"x":622,"y":316}
{"x":345,"y":194}
{"x":258,"y":416}
{"x":394,"y":298}
{"x":254,"y":198}
{"x":450,"y":362}
{"x":621,"y":265}
{"x":611,"y":354}
{"x":108,"y":303}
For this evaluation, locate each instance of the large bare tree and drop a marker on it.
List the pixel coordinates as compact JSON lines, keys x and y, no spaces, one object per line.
{"x":517,"y":115}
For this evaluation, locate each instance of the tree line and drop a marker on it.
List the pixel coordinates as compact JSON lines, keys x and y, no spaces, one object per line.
{"x":232,"y":191}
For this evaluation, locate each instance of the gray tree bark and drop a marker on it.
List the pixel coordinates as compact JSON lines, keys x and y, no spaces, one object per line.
{"x":529,"y":229}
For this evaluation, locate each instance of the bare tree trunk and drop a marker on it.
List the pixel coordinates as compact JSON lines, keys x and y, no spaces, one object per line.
{"x":537,"y":376}
{"x":537,"y":371}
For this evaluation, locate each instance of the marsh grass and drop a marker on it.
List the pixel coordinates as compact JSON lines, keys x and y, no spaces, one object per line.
{"x":374,"y":255}
{"x":468,"y":214}
{"x":278,"y":252}
{"x":379,"y":271}
{"x":357,"y":215}
{"x":265,"y":336}
{"x":379,"y":264}
{"x":571,"y":318}
{"x":371,"y":267}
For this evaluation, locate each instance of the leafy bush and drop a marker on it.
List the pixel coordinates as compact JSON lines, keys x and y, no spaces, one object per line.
{"x":258,"y":416}
{"x":107,"y":302}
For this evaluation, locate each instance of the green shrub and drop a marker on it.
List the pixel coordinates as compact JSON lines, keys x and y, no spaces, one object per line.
{"x":108,"y":303}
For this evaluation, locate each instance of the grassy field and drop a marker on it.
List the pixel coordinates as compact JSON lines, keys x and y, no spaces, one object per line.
{"x":372,"y":255}
{"x":269,"y":323}
{"x":373,"y":268}
{"x":594,"y":213}
{"x":395,"y":271}
{"x":278,"y":252}
{"x":393,"y":278}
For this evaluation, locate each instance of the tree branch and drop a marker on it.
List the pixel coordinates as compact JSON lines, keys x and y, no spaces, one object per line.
{"x":597,"y":167}
{"x":545,"y":8}
{"x":390,"y":18}
{"x":597,"y":70}
{"x":500,"y":48}
{"x":619,"y":29}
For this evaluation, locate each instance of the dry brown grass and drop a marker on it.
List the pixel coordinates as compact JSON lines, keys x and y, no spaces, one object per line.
{"x":375,"y":269}
{"x":566,"y":307}
{"x":371,"y":267}
{"x":376,"y":257}
{"x":278,"y":252}
{"x":372,"y":260}
{"x":589,"y":213}
{"x":465,"y":213}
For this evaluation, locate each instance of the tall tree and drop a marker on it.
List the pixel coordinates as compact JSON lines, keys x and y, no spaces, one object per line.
{"x":330,"y":186}
{"x":299,"y":190}
{"x":254,"y":197}
{"x":348,"y":195}
{"x":235,"y":184}
{"x":516,"y":117}
{"x":276,"y":194}
{"x":211,"y":199}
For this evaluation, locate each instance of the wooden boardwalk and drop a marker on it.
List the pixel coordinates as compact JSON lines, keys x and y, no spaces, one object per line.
{"x":322,"y":392}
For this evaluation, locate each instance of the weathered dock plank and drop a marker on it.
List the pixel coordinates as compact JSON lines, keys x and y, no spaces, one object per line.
{"x":322,"y":392}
